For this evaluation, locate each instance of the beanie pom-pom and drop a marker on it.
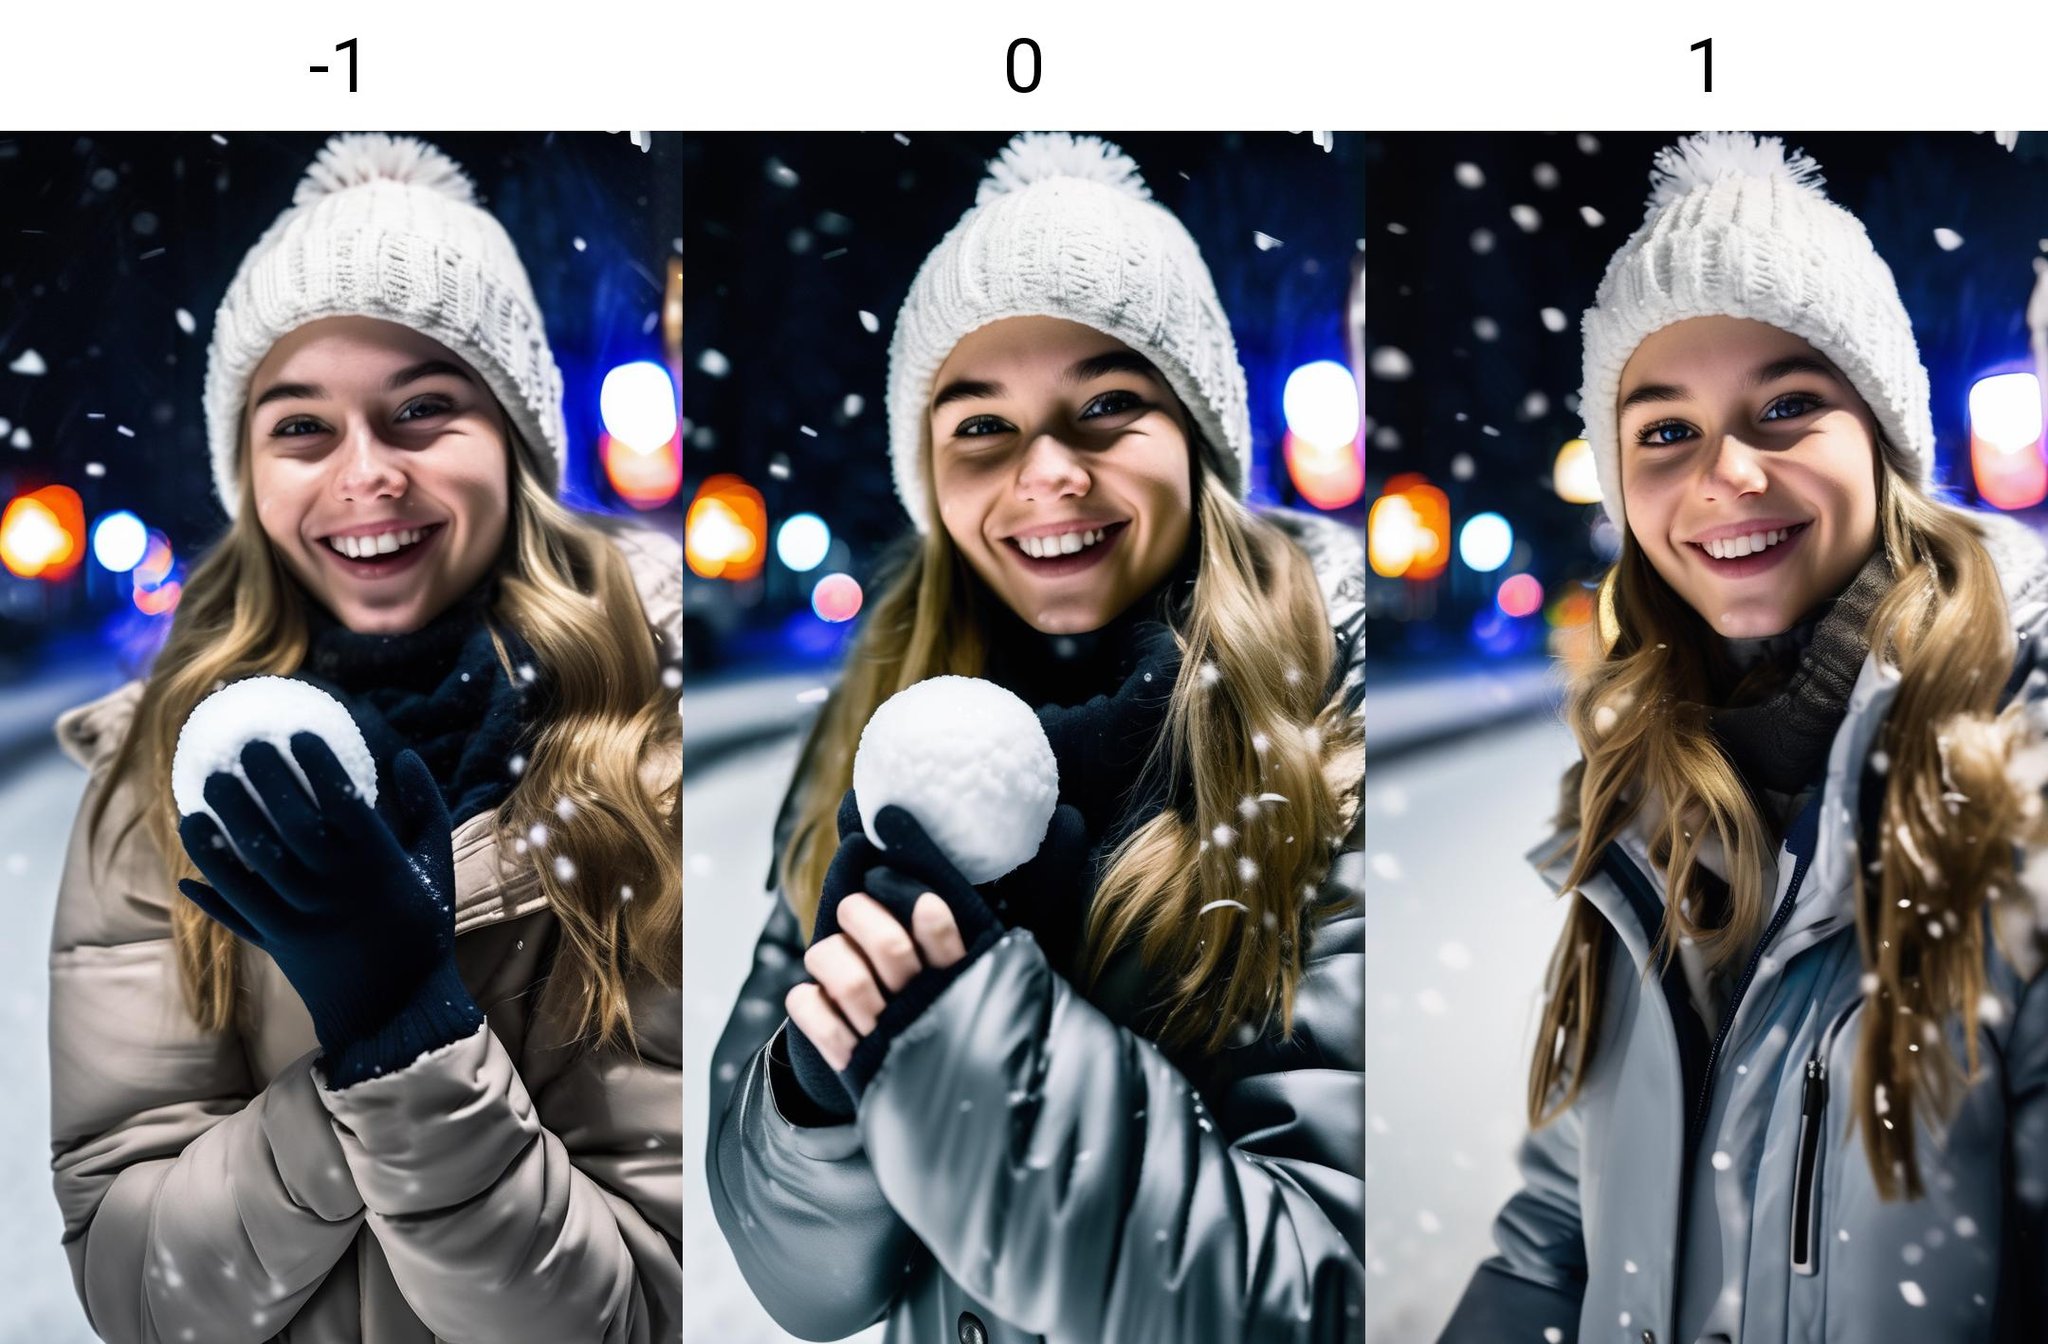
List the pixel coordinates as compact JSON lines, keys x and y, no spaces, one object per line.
{"x":359,"y":159}
{"x":1039,"y":156}
{"x":1703,"y":159}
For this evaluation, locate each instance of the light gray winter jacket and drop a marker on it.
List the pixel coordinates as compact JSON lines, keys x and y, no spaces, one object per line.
{"x":1594,"y":1245}
{"x":511,"y":1188}
{"x":1027,"y":1166}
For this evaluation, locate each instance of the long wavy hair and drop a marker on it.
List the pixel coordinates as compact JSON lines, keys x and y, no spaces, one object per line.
{"x":567,"y":590}
{"x":1951,"y":814}
{"x":1216,"y":902}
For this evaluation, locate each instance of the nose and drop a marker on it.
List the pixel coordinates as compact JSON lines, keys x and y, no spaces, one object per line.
{"x":367,"y":467}
{"x":1050,"y":470}
{"x":1733,"y":469}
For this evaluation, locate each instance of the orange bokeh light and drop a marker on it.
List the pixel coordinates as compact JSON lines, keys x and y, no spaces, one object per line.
{"x":725,"y":533}
{"x":644,"y":480}
{"x":42,"y":533}
{"x":1432,"y":511}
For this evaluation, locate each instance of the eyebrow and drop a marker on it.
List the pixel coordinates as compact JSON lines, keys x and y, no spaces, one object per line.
{"x":1082,"y":371}
{"x":1767,"y":373}
{"x":426,"y":368}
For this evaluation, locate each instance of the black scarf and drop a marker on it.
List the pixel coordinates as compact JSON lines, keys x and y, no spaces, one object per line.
{"x":1781,"y":742}
{"x":439,"y":690}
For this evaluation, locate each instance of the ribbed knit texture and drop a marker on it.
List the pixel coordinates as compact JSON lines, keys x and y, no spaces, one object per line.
{"x":1065,"y":227}
{"x":441,"y":1012}
{"x":439,"y":690}
{"x":1781,"y":743}
{"x":387,"y":227}
{"x":1737,"y":229}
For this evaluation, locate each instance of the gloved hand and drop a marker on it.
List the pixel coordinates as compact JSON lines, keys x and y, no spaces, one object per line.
{"x":911,"y":863}
{"x":1102,"y":743}
{"x":358,"y":913}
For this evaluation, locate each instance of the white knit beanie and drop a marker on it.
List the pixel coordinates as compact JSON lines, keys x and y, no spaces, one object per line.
{"x":387,"y":227}
{"x":1065,"y":227}
{"x":1737,"y":227}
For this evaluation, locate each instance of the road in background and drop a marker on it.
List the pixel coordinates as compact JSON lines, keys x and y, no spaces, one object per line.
{"x":1458,"y":931}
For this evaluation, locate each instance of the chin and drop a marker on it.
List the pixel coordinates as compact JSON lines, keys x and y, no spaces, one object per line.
{"x":1752,"y":624}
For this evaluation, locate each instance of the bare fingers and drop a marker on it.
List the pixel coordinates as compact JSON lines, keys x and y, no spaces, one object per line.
{"x":848,"y":981}
{"x":937,"y":934}
{"x":811,"y":1013}
{"x":881,"y":938}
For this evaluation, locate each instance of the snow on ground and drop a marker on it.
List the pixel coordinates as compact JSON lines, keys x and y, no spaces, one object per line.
{"x":38,"y":799}
{"x":728,"y":815}
{"x":1458,"y":930}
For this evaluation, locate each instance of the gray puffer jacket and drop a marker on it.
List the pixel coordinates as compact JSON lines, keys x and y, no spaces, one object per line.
{"x":1777,"y":1203}
{"x":1026,"y":1165}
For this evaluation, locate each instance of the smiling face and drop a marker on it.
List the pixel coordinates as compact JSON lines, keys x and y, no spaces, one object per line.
{"x":1061,"y":469}
{"x":1748,"y":471}
{"x":379,"y":470}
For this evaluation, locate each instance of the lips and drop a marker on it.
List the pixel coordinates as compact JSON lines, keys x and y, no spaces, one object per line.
{"x":1743,"y":554}
{"x":382,"y":563}
{"x":1054,"y":554}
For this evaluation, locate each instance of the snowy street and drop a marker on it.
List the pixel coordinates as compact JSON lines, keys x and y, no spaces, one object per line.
{"x":1458,"y":931}
{"x":728,"y":814}
{"x":39,"y":793}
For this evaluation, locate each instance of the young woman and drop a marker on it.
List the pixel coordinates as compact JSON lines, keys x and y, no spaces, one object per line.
{"x":1791,"y":1074}
{"x":412,"y":1073}
{"x":1116,"y":1094}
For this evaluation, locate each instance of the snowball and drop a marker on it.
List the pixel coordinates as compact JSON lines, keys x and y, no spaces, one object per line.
{"x":970,"y":761}
{"x":263,"y":709}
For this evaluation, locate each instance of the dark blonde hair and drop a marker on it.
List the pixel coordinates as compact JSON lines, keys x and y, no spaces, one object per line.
{"x":1640,"y":715}
{"x":568,"y":591}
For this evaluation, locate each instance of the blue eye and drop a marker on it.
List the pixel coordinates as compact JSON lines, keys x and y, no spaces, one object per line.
{"x":1113,"y":402}
{"x":426,"y":406}
{"x":1791,"y":406}
{"x":980,"y":427}
{"x":298,"y":427}
{"x":1664,"y":433}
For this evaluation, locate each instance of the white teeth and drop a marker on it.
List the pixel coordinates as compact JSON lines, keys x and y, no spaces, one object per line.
{"x":1066,"y":543}
{"x":358,"y":548}
{"x":1734,"y":548}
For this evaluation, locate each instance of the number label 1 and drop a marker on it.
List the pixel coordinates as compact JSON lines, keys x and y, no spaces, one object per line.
{"x":1706,"y":44}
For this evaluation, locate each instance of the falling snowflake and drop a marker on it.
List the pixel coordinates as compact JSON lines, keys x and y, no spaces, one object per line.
{"x":564,"y":869}
{"x":1482,"y":241}
{"x":1463,"y":468}
{"x":714,"y":363}
{"x":870,"y":321}
{"x":1469,"y":176}
{"x":1594,"y":219}
{"x":1526,"y":218}
{"x":29,"y":364}
{"x":1948,"y":240}
{"x":1554,"y":319}
{"x":186,"y":323}
{"x":1455,"y":955}
{"x":1485,"y":328}
{"x":1265,"y":242}
{"x":1911,"y":1292}
{"x":1391,"y":363}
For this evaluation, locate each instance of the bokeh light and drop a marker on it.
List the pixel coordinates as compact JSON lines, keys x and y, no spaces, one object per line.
{"x":638,"y":404}
{"x":802,"y":541}
{"x":1485,"y":541}
{"x":1321,"y":404}
{"x":118,"y":541}
{"x":836,"y":598}
{"x":2005,"y":440}
{"x":1576,"y":477}
{"x":42,"y":534}
{"x":1519,"y":595}
{"x":725,"y":533}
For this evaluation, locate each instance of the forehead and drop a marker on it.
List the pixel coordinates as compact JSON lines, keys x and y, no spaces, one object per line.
{"x":1024,"y":346}
{"x":332,"y":348}
{"x":1709,"y":351}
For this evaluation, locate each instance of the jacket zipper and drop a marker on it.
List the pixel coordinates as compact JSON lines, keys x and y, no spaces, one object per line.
{"x":1813,"y":1104}
{"x":1697,"y":1130}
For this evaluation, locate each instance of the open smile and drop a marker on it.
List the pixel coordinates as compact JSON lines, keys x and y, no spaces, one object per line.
{"x":1739,"y":555}
{"x":383,"y":554}
{"x":1062,"y":551}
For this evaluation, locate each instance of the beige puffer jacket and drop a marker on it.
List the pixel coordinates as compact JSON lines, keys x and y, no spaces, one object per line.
{"x":506,"y":1188}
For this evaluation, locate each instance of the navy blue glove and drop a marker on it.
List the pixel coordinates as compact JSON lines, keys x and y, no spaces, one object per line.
{"x":358,"y":913}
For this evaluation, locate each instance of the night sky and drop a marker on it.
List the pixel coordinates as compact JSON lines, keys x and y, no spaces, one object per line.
{"x":1429,"y":283}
